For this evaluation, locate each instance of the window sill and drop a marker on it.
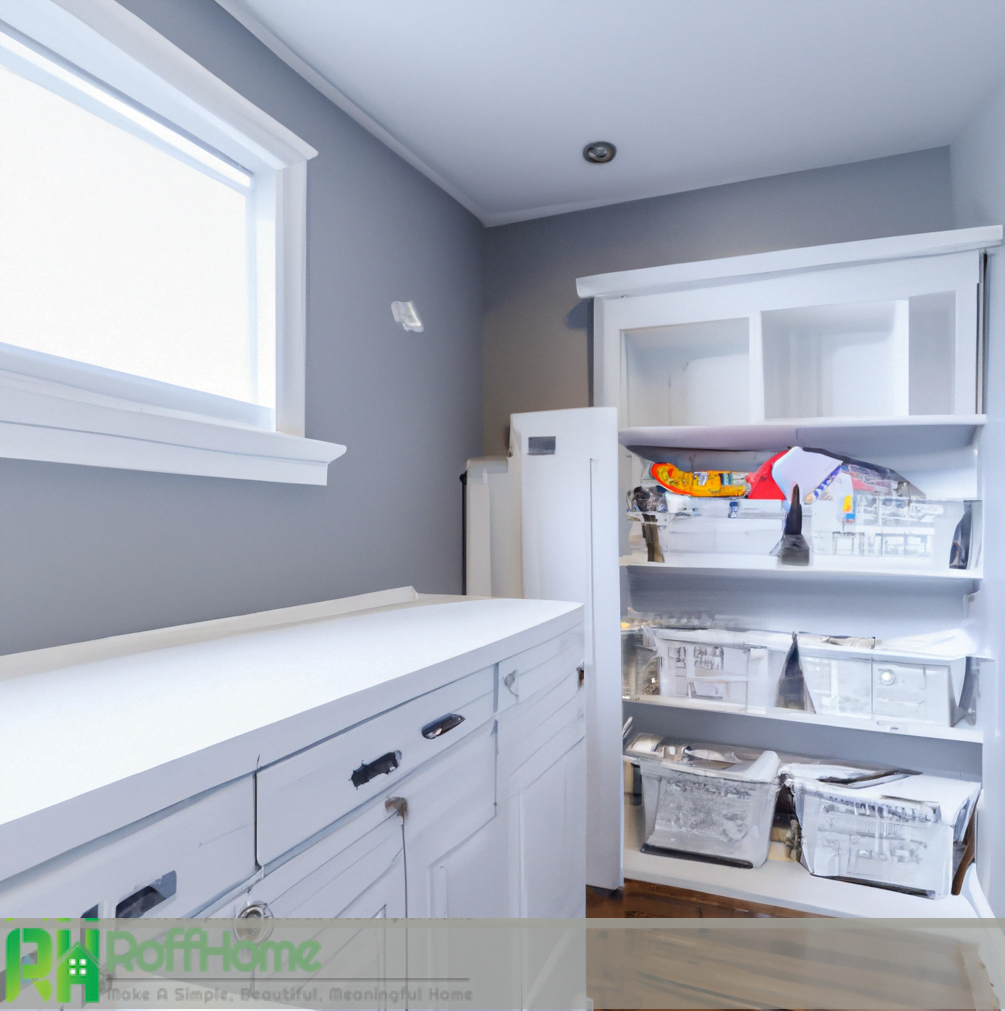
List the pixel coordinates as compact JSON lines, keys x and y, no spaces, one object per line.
{"x":52,"y":422}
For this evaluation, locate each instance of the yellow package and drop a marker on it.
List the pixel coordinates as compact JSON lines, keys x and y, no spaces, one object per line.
{"x":700,"y":483}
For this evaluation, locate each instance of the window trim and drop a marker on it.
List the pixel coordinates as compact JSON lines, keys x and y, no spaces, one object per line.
{"x":68,"y":412}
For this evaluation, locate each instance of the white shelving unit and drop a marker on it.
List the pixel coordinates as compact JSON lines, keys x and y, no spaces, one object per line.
{"x":913,"y":434}
{"x":828,"y":568}
{"x":961,"y":732}
{"x":868,"y":350}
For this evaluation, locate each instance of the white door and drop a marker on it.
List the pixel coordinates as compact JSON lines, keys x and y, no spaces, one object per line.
{"x":569,"y":492}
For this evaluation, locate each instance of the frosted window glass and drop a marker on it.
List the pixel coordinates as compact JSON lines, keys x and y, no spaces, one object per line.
{"x":115,"y":253}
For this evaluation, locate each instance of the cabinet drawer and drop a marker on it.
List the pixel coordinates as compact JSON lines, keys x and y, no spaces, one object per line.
{"x":525,"y":728}
{"x":172,"y":864}
{"x":330,"y":878}
{"x":303,"y":794}
{"x":526,"y":674}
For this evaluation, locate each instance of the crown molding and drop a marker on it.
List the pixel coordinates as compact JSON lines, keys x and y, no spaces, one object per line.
{"x":267,"y":37}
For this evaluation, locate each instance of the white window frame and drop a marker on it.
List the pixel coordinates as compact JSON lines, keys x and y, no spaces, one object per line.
{"x":61,"y":411}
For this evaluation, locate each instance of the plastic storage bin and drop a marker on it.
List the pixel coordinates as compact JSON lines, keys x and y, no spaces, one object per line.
{"x":898,"y":831}
{"x":915,"y":533}
{"x":713,"y":526}
{"x":709,"y":665}
{"x":864,"y":678}
{"x":705,"y":800}
{"x":892,"y":530}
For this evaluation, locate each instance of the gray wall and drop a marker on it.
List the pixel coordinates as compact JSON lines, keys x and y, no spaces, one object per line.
{"x":536,"y":334}
{"x":86,"y":552}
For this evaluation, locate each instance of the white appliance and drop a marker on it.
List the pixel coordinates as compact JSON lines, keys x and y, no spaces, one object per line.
{"x":544,"y":524}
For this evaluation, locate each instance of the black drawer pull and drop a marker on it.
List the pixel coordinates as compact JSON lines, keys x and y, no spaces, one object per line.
{"x":439,"y":727}
{"x":146,"y":898}
{"x":382,"y":766}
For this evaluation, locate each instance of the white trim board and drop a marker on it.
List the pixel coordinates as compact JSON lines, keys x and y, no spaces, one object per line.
{"x":710,"y":273}
{"x":239,"y":116}
{"x":46,"y":421}
{"x":37,"y":661}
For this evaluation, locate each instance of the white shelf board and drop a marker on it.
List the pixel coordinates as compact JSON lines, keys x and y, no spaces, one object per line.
{"x":750,"y":266}
{"x":830,"y":568}
{"x":848,"y":436}
{"x":780,"y":883}
{"x":967,"y":734}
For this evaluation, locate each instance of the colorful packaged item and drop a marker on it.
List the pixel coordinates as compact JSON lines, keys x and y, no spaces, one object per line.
{"x":761,"y":484}
{"x":700,"y":483}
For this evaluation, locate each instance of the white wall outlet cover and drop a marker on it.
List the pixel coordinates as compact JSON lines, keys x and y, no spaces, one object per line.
{"x":405,"y":314}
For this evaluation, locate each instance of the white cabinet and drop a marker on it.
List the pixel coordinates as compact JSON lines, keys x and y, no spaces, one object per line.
{"x":882,"y":329}
{"x":494,"y":826}
{"x":171,"y":864}
{"x":356,"y":871}
{"x":383,"y":801}
{"x":546,"y":811}
{"x":870,"y":352}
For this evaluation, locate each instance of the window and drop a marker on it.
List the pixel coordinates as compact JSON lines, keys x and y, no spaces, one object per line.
{"x":152,"y":248}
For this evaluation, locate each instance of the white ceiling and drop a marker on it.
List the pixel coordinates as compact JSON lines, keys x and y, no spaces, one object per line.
{"x":494,"y":99}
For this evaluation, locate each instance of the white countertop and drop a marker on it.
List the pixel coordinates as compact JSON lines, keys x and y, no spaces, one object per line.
{"x":96,"y":745}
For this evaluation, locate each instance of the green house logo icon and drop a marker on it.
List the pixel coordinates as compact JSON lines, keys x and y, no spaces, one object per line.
{"x":29,"y":960}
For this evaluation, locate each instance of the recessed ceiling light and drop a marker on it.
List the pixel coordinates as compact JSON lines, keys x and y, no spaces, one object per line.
{"x":599,"y":152}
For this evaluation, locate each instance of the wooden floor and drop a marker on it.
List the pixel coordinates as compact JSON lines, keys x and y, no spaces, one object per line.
{"x":642,"y":899}
{"x":809,"y":962}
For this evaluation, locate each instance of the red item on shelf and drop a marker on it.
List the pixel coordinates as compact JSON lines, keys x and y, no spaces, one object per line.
{"x":762,"y":484}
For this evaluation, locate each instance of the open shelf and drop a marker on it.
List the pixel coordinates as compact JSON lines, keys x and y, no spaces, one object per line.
{"x":881,"y":725}
{"x":780,"y":883}
{"x":827,"y":567}
{"x":856,"y":437}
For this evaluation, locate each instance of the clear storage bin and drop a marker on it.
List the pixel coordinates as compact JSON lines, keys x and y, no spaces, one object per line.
{"x":864,"y":678}
{"x":878,"y":529}
{"x":917,"y":533}
{"x":897,"y":832}
{"x":713,"y":526}
{"x":639,"y":661}
{"x":706,"y":800}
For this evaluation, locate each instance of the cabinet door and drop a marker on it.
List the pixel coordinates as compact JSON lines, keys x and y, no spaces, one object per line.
{"x":456,"y":852}
{"x":546,"y":815}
